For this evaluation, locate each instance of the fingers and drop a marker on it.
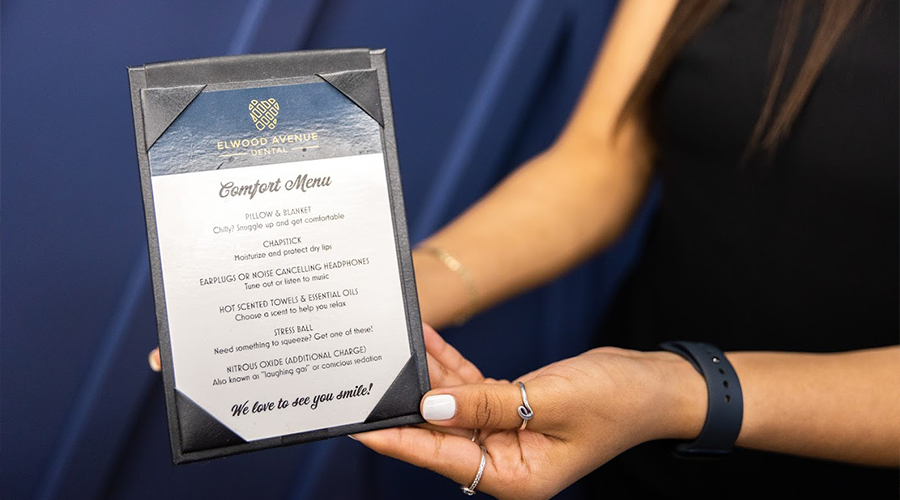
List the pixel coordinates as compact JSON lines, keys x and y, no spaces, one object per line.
{"x":489,"y":406}
{"x":439,"y":375}
{"x":465,"y":433}
{"x":153,"y":359}
{"x":452,"y":456}
{"x":448,"y":356}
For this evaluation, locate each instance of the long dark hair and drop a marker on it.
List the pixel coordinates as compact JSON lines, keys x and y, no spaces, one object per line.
{"x":773,"y":124}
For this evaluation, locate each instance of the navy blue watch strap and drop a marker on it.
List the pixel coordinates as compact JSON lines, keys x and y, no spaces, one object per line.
{"x":725,"y":412}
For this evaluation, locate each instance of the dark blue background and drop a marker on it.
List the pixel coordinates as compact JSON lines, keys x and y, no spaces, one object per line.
{"x":478,"y":87}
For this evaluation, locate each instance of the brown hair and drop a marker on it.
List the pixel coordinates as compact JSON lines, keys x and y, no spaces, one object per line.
{"x":773,"y":125}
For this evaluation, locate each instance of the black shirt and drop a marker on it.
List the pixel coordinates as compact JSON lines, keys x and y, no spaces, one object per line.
{"x":796,"y":253}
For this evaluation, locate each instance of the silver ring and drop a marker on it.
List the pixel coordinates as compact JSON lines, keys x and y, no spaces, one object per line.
{"x":474,"y":435}
{"x":525,"y":411}
{"x":470,"y":490}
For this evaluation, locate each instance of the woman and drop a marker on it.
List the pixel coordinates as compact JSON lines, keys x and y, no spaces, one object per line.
{"x":777,"y":233}
{"x":776,"y":241}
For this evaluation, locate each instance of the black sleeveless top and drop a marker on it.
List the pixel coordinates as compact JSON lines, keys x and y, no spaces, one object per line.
{"x":799,"y":253}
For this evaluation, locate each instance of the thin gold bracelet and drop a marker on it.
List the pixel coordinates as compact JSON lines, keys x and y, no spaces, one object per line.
{"x":456,"y":266}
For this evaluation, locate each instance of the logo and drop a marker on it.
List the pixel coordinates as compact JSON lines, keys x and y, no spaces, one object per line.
{"x":264,"y":113}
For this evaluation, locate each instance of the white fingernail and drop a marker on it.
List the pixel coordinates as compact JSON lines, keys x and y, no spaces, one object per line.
{"x":440,"y":407}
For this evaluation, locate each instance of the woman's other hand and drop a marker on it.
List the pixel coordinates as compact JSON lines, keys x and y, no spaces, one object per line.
{"x":153,"y":360}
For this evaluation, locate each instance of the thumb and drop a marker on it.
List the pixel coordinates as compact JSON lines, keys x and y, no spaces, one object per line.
{"x":485,"y":406}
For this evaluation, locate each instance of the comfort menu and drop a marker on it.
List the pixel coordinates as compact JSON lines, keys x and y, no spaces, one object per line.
{"x":281,"y":285}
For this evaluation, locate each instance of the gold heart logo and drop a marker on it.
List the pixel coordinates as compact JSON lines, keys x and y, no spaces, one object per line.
{"x":264,"y":113}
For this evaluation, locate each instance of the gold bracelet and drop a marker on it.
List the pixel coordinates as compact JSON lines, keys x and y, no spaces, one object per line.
{"x":456,"y":266}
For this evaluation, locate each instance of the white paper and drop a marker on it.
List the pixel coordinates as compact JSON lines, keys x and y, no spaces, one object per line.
{"x":248,"y":279}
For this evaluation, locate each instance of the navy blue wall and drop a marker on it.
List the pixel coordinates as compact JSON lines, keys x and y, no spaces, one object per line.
{"x":478,"y":87}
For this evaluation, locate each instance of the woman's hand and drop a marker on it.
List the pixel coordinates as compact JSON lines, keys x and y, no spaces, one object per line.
{"x":587,"y":410}
{"x":153,"y":360}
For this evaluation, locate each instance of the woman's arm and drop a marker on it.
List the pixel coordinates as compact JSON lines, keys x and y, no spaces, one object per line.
{"x":835,"y":406}
{"x":590,"y":408}
{"x":565,"y":204}
{"x":843,"y":406}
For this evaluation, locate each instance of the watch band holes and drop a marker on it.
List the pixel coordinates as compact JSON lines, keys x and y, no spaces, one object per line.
{"x":728,"y":398}
{"x":721,"y":371}
{"x":725,"y":383}
{"x":715,"y":359}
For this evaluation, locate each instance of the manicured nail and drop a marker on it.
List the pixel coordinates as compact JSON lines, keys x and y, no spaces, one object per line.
{"x":154,"y":362}
{"x":351,"y":436}
{"x":440,"y":407}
